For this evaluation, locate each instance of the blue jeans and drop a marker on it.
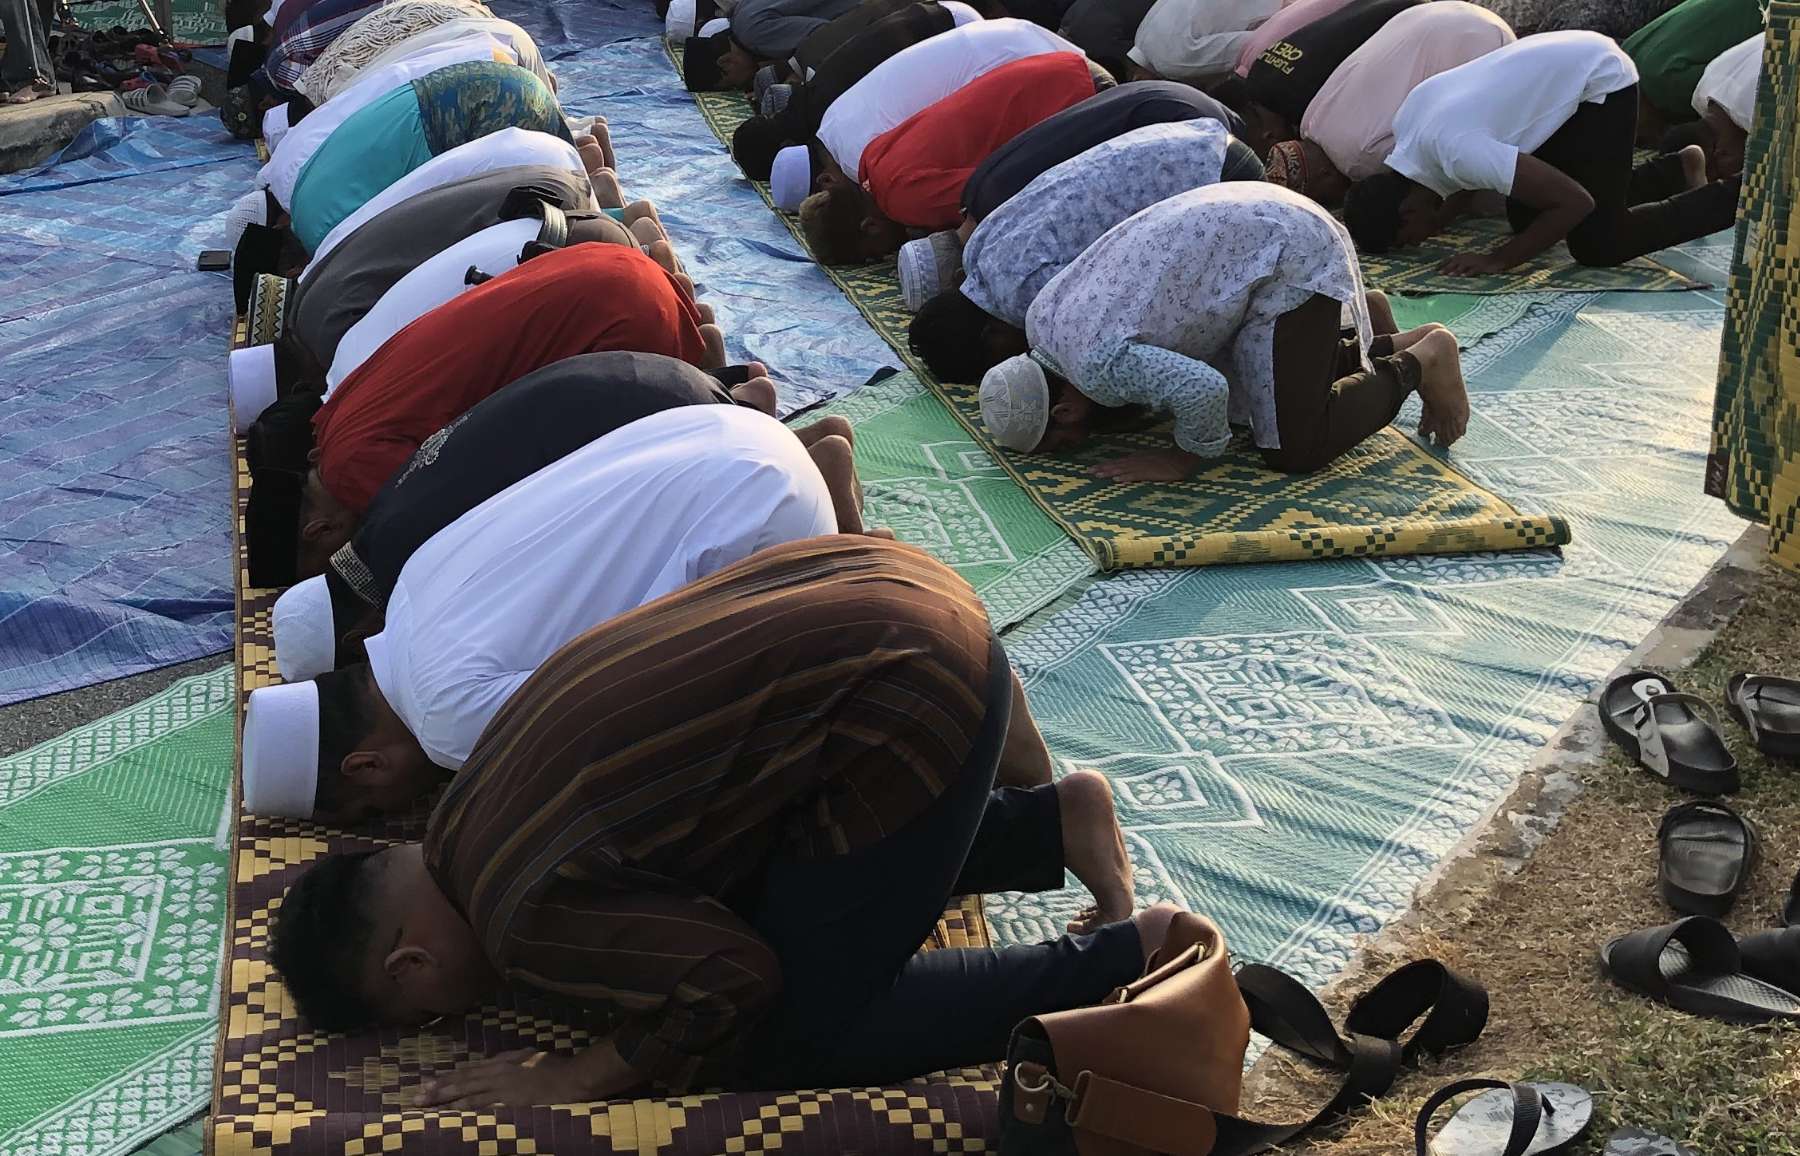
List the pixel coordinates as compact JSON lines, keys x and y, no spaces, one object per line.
{"x":860,"y":1004}
{"x":27,"y":57}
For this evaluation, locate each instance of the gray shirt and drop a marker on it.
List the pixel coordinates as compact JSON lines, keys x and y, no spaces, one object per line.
{"x":773,"y":29}
{"x":1034,"y":235}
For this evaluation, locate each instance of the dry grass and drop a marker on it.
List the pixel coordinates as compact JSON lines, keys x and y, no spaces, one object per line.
{"x":1532,"y":938}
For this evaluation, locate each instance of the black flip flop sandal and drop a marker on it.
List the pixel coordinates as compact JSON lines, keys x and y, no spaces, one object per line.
{"x":1637,"y":1142}
{"x":1694,"y":965}
{"x":1707,"y":851}
{"x":1505,"y":1120}
{"x":1773,"y":957}
{"x":1769,"y":708}
{"x":1670,"y":733}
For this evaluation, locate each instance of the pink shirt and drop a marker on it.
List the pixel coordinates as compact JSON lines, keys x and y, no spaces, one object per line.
{"x":1352,"y":118}
{"x":1294,"y":17}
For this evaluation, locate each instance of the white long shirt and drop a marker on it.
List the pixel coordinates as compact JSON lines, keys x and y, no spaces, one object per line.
{"x":301,"y":141}
{"x":1197,"y":39}
{"x":493,"y":250}
{"x":1175,"y":307}
{"x":922,"y":74}
{"x":1731,"y":80}
{"x":498,"y":150}
{"x":1466,"y":128}
{"x":626,"y":519}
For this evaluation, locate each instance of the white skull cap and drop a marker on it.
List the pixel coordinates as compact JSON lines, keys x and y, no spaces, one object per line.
{"x":1015,"y":403}
{"x":250,"y":375}
{"x":928,"y":266}
{"x":679,"y":22}
{"x":790,"y":178}
{"x":281,"y":750}
{"x":305,"y":633}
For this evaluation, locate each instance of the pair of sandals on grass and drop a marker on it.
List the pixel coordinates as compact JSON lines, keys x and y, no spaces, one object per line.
{"x":1706,"y":850}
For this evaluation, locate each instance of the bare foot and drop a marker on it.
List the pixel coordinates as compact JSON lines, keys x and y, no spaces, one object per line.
{"x":707,"y":316}
{"x":1441,"y":387}
{"x":837,"y":462}
{"x":641,"y":209}
{"x":29,"y":93}
{"x":1153,"y":926}
{"x":1693,"y":166}
{"x":663,"y":254}
{"x":603,"y":136}
{"x":826,"y":427}
{"x":1381,"y":314}
{"x":758,"y":393}
{"x":1094,"y":848}
{"x":607,"y":193}
{"x":685,"y":284}
{"x":592,"y":159}
{"x":714,"y":339}
{"x":648,"y":230}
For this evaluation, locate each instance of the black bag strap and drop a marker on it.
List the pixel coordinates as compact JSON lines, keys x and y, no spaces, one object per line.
{"x":540,"y":202}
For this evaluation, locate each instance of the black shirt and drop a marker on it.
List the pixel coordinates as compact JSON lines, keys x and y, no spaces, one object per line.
{"x":344,"y":285}
{"x":1105,"y":29}
{"x":1291,"y":71}
{"x":510,"y":435}
{"x":855,"y":59}
{"x":1075,"y":130}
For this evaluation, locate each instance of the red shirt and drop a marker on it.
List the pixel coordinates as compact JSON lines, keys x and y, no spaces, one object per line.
{"x":587,"y":298}
{"x":916,"y":170}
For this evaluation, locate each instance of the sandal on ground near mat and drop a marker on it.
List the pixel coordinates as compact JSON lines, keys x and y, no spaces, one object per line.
{"x":1670,"y":733}
{"x":1694,"y":965}
{"x":153,"y":100}
{"x":1769,"y":708}
{"x":1637,"y":1142}
{"x":1706,"y":852}
{"x":185,"y":90}
{"x":1773,"y":957}
{"x":1505,"y":1120}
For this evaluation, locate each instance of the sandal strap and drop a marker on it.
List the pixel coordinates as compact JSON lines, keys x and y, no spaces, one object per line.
{"x":1529,"y":1110}
{"x":1636,"y":959}
{"x":1454,"y":1007}
{"x":1697,"y":808}
{"x":1642,"y":720}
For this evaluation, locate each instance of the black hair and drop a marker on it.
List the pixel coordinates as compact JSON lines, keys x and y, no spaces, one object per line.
{"x":1372,"y":210}
{"x":700,"y":69}
{"x":947,"y":335}
{"x":1232,"y":92}
{"x":833,"y":228}
{"x":1241,"y":163}
{"x":755,"y":144}
{"x":299,"y":105}
{"x":346,"y":716}
{"x":322,"y":935}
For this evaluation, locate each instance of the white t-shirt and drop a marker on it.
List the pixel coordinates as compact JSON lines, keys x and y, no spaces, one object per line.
{"x":1465,"y":128}
{"x":960,"y":12}
{"x":302,"y":140}
{"x":519,"y":42}
{"x":498,"y":150}
{"x":626,"y":519}
{"x":922,"y":74}
{"x":1197,"y":39}
{"x":494,"y":250}
{"x":1731,"y":81}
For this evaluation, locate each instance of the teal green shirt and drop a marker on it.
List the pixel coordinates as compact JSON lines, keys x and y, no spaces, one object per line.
{"x":1674,"y":49}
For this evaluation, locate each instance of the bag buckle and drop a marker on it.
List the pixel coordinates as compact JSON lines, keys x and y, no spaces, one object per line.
{"x":1034,"y":1090}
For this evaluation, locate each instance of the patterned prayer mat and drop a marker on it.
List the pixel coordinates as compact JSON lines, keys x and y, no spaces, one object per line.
{"x":1389,"y":496}
{"x":1755,"y":460}
{"x":1415,"y":269}
{"x":112,"y":904}
{"x":283,"y":1089}
{"x":1471,"y":316}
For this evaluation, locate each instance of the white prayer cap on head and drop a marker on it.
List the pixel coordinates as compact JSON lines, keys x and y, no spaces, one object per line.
{"x":275,"y":125}
{"x":281,"y":750}
{"x":1015,"y":403}
{"x":679,"y":21}
{"x":247,"y":32}
{"x":775,"y":98}
{"x":790,"y":177}
{"x":250,"y":209}
{"x":714,"y":26}
{"x":305,"y":634}
{"x":928,"y":266}
{"x":250,"y":374}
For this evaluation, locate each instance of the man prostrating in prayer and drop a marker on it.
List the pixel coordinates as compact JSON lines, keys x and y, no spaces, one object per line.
{"x":728,"y":819}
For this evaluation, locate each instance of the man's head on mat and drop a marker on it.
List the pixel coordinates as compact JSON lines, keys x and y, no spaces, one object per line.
{"x":842,"y":224}
{"x":1724,"y":142}
{"x":1302,"y":166}
{"x":717,"y":62}
{"x":1029,"y":409}
{"x":958,"y":340}
{"x":332,"y":749}
{"x":754,"y":145}
{"x":370,"y":938}
{"x":1388,"y":211}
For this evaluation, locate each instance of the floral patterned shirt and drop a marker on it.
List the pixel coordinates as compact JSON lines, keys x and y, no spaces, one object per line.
{"x":1175,"y":308}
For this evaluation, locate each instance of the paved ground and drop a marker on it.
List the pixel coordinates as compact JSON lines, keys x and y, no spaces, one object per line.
{"x":29,"y":723}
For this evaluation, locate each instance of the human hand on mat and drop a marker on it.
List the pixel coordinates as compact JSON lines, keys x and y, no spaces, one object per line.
{"x":531,"y":1077}
{"x":1473,"y":265}
{"x":1169,"y":465}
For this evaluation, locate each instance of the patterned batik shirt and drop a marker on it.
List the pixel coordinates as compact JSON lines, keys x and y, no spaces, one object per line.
{"x":465,"y":102}
{"x":1175,"y":308}
{"x":1034,"y":235}
{"x":374,"y":33}
{"x":800,"y":704}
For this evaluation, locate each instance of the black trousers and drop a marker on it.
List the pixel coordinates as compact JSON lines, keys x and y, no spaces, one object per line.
{"x":1636,"y":210}
{"x":860,"y":1004}
{"x":1325,"y":401}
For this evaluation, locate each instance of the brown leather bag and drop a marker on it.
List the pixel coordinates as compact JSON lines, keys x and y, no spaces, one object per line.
{"x":1158,"y":1067}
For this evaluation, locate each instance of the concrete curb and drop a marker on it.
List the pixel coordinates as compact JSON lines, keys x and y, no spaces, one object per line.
{"x":30,"y":133}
